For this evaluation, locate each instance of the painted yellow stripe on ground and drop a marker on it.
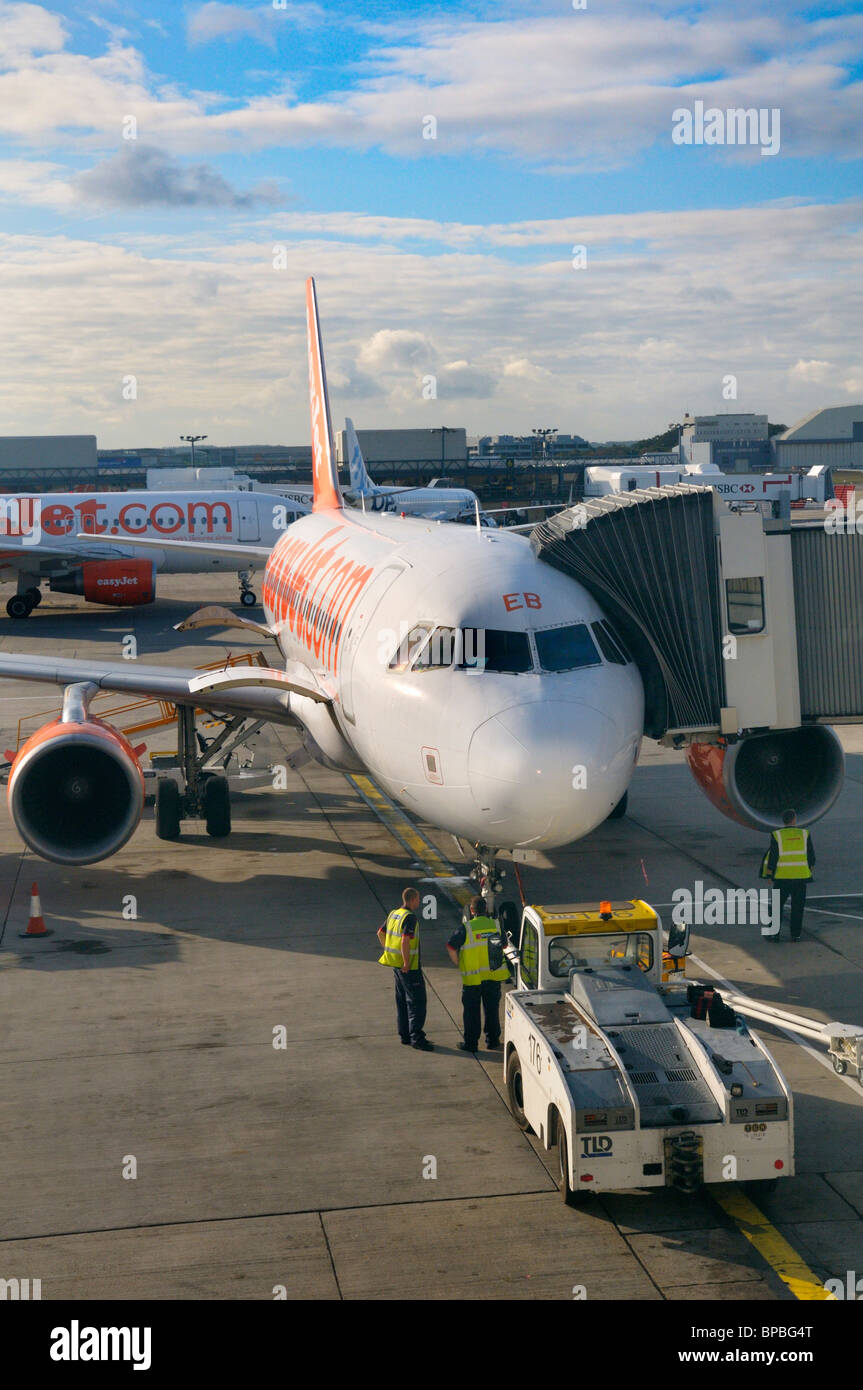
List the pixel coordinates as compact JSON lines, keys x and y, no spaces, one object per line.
{"x":774,"y":1248}
{"x":408,"y":835}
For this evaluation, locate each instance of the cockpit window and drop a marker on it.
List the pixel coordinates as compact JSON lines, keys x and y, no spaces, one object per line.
{"x":489,"y":649}
{"x":438,"y":652}
{"x":566,"y":648}
{"x":410,"y":644}
{"x":610,"y":644}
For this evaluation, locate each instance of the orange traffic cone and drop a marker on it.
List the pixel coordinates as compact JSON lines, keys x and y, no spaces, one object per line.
{"x":36,"y":923}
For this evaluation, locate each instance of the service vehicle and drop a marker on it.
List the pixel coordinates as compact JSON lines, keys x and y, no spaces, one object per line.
{"x":606,"y":1062}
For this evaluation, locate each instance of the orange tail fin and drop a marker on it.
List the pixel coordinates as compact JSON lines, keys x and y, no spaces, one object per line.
{"x":327,"y":493}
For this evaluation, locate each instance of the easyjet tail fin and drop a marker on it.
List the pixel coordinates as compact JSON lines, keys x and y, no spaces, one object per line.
{"x":361,"y":483}
{"x":327,"y":493}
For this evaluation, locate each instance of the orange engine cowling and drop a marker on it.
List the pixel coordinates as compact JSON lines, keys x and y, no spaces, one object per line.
{"x":120,"y":583}
{"x":754,"y":780}
{"x":76,"y":791}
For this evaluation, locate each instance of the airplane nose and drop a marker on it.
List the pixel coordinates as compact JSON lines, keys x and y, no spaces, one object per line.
{"x":548,"y":772}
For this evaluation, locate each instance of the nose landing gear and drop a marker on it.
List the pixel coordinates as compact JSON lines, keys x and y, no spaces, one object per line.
{"x":248,"y":597}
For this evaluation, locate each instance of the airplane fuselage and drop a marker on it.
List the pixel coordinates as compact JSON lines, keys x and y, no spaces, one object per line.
{"x":229,"y":516}
{"x":448,"y":654}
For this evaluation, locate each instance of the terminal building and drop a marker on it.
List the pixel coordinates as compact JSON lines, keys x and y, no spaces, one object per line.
{"x":443,"y":445}
{"x":737,"y":443}
{"x":523,"y":448}
{"x":832,"y":436}
{"x":47,"y":462}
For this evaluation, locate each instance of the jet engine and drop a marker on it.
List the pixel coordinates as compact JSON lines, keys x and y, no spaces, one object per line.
{"x":754,"y":780}
{"x":119,"y":583}
{"x":76,"y":790}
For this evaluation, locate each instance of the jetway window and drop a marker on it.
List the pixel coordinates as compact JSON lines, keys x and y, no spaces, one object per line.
{"x":744,"y":600}
{"x":566,"y":648}
{"x":489,"y":649}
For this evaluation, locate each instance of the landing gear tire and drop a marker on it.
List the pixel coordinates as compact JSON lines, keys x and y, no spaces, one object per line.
{"x":216,"y":804}
{"x":571,"y":1198}
{"x":34,"y":594}
{"x":20,"y":606}
{"x":620,"y":809}
{"x":515,"y":1092}
{"x":167,"y":809}
{"x":839,"y":1066}
{"x":248,"y":599}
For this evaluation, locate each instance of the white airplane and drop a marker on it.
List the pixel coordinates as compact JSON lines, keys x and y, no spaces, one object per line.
{"x":48,"y":539}
{"x":434,"y":503}
{"x":480,"y":687}
{"x":477,"y":685}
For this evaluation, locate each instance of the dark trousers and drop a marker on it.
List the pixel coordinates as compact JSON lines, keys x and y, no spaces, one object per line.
{"x":486,"y":993}
{"x":795,"y":889}
{"x":410,"y":1004}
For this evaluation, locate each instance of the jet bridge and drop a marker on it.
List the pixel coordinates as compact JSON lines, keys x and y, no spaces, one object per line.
{"x":747,"y":631}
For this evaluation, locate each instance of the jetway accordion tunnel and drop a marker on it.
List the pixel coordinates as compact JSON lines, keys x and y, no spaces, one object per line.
{"x":649,"y":557}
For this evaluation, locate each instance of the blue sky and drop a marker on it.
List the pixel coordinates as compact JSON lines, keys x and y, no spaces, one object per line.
{"x":302,"y":127}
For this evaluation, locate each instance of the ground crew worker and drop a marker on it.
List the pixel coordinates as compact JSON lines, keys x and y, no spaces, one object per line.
{"x":480,"y":977}
{"x":790,"y":861}
{"x":400,"y":938}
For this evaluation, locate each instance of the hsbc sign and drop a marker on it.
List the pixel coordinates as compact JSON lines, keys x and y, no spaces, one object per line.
{"x":755,"y":486}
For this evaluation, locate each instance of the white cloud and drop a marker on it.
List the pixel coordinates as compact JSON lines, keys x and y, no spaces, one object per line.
{"x":217,"y":21}
{"x":35,"y":181}
{"x":812,"y":370}
{"x":28,"y":29}
{"x":667,"y":307}
{"x":576,"y":90}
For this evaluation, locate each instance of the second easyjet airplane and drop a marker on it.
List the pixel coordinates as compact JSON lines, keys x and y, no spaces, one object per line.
{"x":479,"y":687}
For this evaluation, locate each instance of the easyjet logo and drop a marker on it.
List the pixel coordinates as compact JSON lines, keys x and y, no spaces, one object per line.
{"x":135,"y":518}
{"x":312,"y":587}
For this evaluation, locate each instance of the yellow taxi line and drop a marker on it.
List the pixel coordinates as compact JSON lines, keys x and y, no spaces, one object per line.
{"x":407,"y":834}
{"x":771,"y":1246}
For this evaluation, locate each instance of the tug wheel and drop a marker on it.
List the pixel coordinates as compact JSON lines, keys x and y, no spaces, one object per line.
{"x":515,"y":1092}
{"x":570,"y":1197}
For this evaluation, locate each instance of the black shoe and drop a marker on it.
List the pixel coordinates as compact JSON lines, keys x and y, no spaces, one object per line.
{"x":423,"y":1045}
{"x":405,"y":1042}
{"x":463,"y":1047}
{"x":493,"y":1046}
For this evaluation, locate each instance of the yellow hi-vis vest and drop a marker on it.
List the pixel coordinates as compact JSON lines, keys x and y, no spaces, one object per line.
{"x":793,"y":861}
{"x":473,"y":959}
{"x":393,"y":941}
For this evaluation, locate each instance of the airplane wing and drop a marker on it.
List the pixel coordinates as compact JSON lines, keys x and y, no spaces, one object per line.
{"x":225,"y":550}
{"x":260,"y":692}
{"x":15,"y":554}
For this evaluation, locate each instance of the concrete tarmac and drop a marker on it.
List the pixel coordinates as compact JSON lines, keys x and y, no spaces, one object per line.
{"x":203,"y":1091}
